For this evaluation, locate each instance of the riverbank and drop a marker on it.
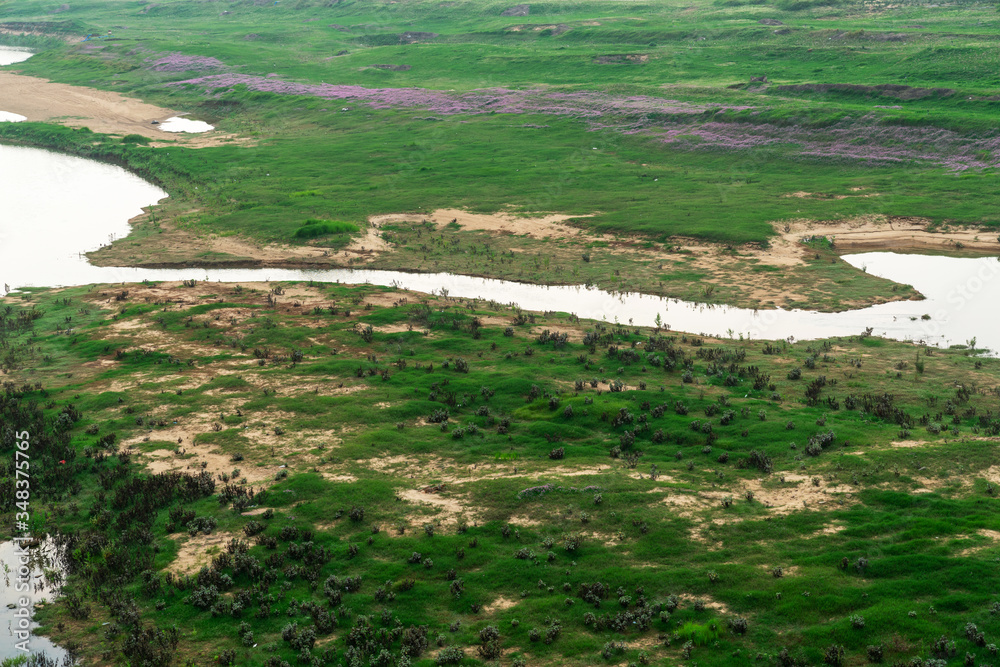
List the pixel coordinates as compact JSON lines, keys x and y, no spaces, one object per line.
{"x":103,"y":111}
{"x":799,"y":268}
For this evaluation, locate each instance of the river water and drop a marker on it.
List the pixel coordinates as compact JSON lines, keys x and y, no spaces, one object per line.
{"x":8,"y":56}
{"x":13,"y":54}
{"x":42,"y":236}
{"x":38,"y":585}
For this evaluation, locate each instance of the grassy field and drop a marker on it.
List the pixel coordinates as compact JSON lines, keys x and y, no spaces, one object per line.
{"x":737,"y":501}
{"x":640,"y":116}
{"x":273,"y":474}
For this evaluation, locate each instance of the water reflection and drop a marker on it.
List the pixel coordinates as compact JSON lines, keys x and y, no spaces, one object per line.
{"x":32,"y":575}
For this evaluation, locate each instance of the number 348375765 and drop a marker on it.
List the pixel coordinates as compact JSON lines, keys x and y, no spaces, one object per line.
{"x":22,"y":466}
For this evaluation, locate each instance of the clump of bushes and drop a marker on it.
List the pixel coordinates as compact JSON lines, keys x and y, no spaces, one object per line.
{"x":314,"y":228}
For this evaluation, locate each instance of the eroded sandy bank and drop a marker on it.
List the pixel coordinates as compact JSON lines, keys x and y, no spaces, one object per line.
{"x":102,"y":111}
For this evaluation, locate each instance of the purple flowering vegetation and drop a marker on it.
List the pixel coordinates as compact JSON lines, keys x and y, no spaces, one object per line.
{"x":176,"y":62}
{"x":683,"y":124}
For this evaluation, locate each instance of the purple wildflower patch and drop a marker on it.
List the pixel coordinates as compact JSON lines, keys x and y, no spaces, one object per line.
{"x":176,"y":62}
{"x":863,"y":140}
{"x":535,"y":491}
{"x":684,"y":124}
{"x":584,"y":104}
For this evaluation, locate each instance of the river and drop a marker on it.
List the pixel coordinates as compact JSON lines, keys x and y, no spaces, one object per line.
{"x":42,"y":237}
{"x":13,"y":54}
{"x":38,"y":584}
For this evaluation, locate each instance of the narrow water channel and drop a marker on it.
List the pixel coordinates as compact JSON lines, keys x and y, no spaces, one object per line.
{"x":42,"y":237}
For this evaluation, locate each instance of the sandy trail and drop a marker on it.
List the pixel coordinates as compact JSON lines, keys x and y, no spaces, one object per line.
{"x":100,"y":110}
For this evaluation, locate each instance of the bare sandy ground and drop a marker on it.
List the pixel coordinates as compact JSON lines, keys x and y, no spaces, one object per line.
{"x":545,"y":227}
{"x":100,"y":110}
{"x":868,"y":233}
{"x":879,"y":232}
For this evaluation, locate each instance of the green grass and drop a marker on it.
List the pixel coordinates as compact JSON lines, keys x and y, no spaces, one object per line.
{"x":652,"y":536}
{"x":314,"y":228}
{"x":348,"y":411}
{"x":393,"y":161}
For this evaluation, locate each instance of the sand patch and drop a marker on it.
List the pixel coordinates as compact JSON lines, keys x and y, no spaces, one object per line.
{"x":334,"y":477}
{"x":100,"y":110}
{"x":196,"y":458}
{"x":23,"y":29}
{"x":992,"y":537}
{"x":685,"y":500}
{"x":881,"y":232}
{"x":434,"y":469}
{"x":500,"y":604}
{"x":549,"y":226}
{"x":448,"y":508}
{"x":803,"y":495}
{"x":194,"y":461}
{"x":859,"y":234}
{"x":369,"y":245}
{"x":797,"y":493}
{"x":819,"y":195}
{"x":830,"y":529}
{"x":254,"y":512}
{"x":523,"y":521}
{"x":398,"y":327}
{"x":714,"y":605}
{"x":197,"y":552}
{"x":910,"y":444}
{"x":294,"y":297}
{"x":545,"y":227}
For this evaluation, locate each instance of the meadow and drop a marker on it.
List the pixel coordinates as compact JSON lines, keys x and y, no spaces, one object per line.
{"x":273,"y":474}
{"x":639,"y":119}
{"x":316,"y":474}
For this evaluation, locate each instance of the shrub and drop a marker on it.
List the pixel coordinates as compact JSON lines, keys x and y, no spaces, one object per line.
{"x":489,"y":643}
{"x":253,"y":528}
{"x":759,"y":460}
{"x":415,"y":640}
{"x":834,"y":655}
{"x":314,"y":228}
{"x":451,"y":655}
{"x":612,"y":649}
{"x":944,"y":648}
{"x":204,"y":597}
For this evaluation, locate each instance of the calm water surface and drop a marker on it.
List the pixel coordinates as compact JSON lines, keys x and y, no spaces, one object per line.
{"x":13,"y":54}
{"x":42,"y":236}
{"x":177,"y":124}
{"x":45,"y":581}
{"x":8,"y":56}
